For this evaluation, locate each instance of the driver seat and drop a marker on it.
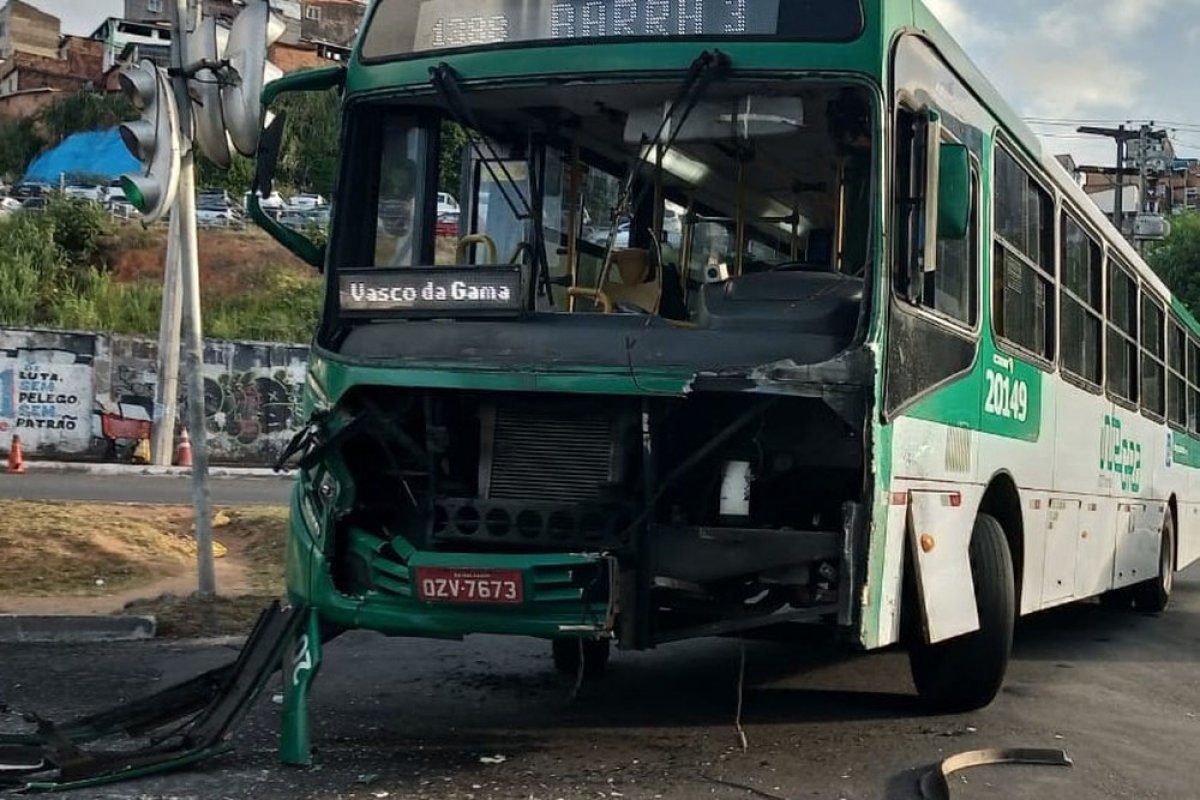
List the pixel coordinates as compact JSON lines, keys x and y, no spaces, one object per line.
{"x":640,"y":286}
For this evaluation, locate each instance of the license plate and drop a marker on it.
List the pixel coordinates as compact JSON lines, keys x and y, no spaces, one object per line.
{"x":486,"y":586}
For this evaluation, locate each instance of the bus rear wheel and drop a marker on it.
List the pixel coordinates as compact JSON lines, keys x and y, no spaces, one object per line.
{"x":966,"y":673}
{"x":1154,"y":594}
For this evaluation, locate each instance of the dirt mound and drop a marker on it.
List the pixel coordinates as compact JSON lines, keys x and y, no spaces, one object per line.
{"x":81,"y":558}
{"x":231,"y":261}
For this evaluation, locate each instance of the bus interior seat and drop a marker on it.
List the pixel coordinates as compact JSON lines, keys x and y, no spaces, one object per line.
{"x":640,"y":286}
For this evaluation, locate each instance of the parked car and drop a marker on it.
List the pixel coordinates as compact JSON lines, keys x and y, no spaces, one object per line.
{"x":24,"y":191}
{"x":9,"y":205}
{"x":303,"y":201}
{"x":217,"y":209}
{"x":90,"y":192}
{"x":272,"y":204}
{"x":446,"y":204}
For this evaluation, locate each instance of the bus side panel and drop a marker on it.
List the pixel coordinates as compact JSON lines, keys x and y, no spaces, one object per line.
{"x":1025,"y":451}
{"x":1079,"y":476}
{"x":940,"y":536}
{"x":934,"y":464}
{"x":1137,"y":447}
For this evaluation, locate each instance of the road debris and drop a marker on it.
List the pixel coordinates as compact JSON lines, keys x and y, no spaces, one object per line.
{"x":935,"y":784}
{"x":183,"y":724}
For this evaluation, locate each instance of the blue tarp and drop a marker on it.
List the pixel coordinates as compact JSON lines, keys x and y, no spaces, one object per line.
{"x":97,"y":153}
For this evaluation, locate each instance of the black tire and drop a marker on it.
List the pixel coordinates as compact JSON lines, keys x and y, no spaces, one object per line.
{"x":1117,"y":599}
{"x":1154,"y":594}
{"x":966,"y":673}
{"x":567,"y":652}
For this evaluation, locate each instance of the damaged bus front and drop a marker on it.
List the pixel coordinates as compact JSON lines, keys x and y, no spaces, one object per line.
{"x":626,"y":395}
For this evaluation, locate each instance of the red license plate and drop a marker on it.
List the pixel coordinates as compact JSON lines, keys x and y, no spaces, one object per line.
{"x":487,"y":586}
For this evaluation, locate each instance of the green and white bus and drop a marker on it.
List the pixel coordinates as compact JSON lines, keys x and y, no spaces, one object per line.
{"x":757,"y":313}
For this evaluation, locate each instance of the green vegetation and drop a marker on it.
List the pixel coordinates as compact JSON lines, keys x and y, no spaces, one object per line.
{"x":54,"y":272}
{"x":1177,"y":260}
{"x":21,"y":140}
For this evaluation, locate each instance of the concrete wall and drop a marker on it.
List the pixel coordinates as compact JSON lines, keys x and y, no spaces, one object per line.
{"x":28,"y":30}
{"x":54,"y":384}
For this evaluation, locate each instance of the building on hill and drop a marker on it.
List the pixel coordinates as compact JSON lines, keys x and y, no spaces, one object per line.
{"x":127,"y":40}
{"x":26,"y":29}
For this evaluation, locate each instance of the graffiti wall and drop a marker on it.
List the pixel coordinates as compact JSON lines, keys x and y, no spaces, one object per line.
{"x":54,"y":386}
{"x":46,"y":393}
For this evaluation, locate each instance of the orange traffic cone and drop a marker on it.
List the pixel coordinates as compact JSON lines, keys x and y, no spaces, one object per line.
{"x":16,"y":458}
{"x":183,"y":453}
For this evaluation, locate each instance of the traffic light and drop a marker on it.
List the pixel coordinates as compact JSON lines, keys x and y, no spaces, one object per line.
{"x":254,"y":30}
{"x":153,"y":139}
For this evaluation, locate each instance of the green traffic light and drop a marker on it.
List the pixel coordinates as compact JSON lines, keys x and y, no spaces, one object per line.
{"x":133,"y":194}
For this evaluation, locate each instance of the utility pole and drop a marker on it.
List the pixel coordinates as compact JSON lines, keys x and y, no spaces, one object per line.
{"x":166,"y":391}
{"x":1122,"y":135}
{"x":189,"y":263}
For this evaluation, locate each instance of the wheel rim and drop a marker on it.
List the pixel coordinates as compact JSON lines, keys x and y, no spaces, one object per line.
{"x":1168,"y":574}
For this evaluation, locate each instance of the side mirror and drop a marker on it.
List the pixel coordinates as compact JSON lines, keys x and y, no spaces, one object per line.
{"x":268,"y":154}
{"x":269,"y":146}
{"x":954,"y":192}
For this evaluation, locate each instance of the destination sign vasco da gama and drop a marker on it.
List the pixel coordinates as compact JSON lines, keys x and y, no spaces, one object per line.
{"x":437,"y":291}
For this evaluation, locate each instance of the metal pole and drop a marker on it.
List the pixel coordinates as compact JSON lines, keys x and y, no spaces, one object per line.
{"x":189,"y":262}
{"x":166,"y":390}
{"x":1119,"y":198}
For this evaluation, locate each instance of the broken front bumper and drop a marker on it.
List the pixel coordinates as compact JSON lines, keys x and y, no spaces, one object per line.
{"x":564,"y":594}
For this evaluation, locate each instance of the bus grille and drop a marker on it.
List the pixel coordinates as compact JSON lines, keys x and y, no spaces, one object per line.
{"x":550,"y":454}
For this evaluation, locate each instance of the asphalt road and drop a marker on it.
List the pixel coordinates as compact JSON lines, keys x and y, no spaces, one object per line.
{"x":78,"y":486}
{"x":407,"y":719}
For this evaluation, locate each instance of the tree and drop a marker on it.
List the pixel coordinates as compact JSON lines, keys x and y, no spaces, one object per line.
{"x":454,"y":140}
{"x":19,"y":143}
{"x":308,"y":157}
{"x":1177,"y":260}
{"x":84,"y":111}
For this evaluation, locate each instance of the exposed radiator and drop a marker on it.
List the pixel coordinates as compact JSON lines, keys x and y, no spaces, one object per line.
{"x":550,"y":453}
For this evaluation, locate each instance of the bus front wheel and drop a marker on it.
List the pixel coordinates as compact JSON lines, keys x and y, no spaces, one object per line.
{"x":569,"y":651}
{"x":1154,"y":594}
{"x":965,"y":673}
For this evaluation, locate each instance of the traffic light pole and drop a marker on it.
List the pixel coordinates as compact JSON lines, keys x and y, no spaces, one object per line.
{"x":166,"y":391}
{"x":189,"y":263}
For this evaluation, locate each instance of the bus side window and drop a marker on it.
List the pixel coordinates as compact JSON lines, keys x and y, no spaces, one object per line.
{"x":951,"y":287}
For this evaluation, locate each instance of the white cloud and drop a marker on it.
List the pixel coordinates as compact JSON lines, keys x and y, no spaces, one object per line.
{"x":955,"y":19}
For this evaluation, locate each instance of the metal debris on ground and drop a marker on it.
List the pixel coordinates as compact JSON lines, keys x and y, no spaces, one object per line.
{"x":181,"y":724}
{"x":935,"y":784}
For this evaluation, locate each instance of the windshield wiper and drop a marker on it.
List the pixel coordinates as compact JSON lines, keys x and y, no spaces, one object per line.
{"x":446,"y":82}
{"x":706,"y":69}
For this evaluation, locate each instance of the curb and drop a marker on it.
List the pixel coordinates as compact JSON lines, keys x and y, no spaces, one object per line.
{"x":21,"y":628}
{"x":136,"y":469}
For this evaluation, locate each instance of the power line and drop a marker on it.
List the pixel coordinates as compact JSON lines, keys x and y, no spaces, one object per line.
{"x":1193,"y":127}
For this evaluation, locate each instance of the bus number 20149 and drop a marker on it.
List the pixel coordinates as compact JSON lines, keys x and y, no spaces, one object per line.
{"x":1006,"y":397}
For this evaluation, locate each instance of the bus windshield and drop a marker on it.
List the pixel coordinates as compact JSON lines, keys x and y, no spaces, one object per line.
{"x":763,"y":196}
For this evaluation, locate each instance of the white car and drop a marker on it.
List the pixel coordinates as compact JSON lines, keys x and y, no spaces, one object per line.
{"x":306,"y":201}
{"x":95,"y":194}
{"x":272,"y":202}
{"x":8,"y":206}
{"x":446,"y":204}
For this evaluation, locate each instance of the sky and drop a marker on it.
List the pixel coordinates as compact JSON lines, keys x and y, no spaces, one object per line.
{"x":1100,"y":61}
{"x":1056,"y":61}
{"x":81,"y":17}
